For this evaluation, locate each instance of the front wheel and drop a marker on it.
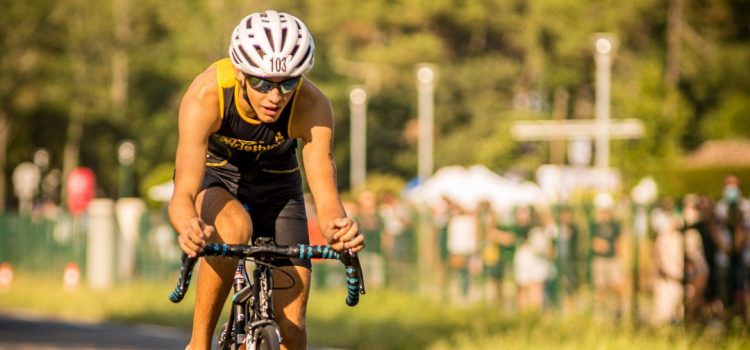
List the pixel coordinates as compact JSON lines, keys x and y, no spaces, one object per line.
{"x":268,"y":338}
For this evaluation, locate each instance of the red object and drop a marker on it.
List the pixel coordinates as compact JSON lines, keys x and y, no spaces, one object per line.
{"x":71,"y":276}
{"x":80,"y":186}
{"x":6,"y":275}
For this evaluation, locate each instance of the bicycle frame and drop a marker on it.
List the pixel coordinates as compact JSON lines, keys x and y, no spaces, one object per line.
{"x":252,"y":302}
{"x":252,"y":298}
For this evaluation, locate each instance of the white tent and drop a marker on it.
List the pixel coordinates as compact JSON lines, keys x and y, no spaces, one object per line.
{"x":470,"y":186}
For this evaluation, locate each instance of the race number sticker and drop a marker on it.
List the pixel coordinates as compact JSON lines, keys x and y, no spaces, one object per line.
{"x":278,"y":64}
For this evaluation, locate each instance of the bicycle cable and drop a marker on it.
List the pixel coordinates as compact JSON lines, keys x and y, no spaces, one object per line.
{"x":276,"y":268}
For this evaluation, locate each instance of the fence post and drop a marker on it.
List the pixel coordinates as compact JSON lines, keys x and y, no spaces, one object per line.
{"x":100,"y":244}
{"x":129,"y":212}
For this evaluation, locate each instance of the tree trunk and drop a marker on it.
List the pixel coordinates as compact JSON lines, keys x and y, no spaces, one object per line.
{"x":120,"y":62}
{"x":72,"y":149}
{"x":4,"y":126}
{"x":674,"y":43}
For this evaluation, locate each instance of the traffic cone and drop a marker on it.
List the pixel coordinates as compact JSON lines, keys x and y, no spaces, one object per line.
{"x":6,"y":276}
{"x":71,"y":277}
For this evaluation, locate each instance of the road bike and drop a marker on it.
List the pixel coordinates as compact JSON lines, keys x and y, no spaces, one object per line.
{"x":252,"y":322}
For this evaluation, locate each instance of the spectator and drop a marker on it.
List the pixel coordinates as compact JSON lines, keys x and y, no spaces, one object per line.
{"x":371,"y":224}
{"x":462,"y":246}
{"x":507,"y":238}
{"x":551,"y":234}
{"x":490,"y":254}
{"x":397,"y":239}
{"x":696,"y":264}
{"x":532,"y":267}
{"x":669,"y":263}
{"x":607,"y":270}
{"x":491,"y":263}
{"x":568,"y":255}
{"x":441,"y":215}
{"x":733,"y":218}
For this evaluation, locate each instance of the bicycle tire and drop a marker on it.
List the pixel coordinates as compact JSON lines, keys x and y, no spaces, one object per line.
{"x":268,"y":338}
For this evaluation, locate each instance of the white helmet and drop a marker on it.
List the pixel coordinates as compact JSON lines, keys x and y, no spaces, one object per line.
{"x":272,"y":44}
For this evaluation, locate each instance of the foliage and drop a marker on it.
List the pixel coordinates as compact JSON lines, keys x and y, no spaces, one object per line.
{"x":57,"y":63}
{"x":384,"y":183}
{"x":694,"y":180}
{"x":157,"y":176}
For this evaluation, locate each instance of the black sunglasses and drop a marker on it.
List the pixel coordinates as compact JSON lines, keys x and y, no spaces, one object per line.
{"x":263,"y":86}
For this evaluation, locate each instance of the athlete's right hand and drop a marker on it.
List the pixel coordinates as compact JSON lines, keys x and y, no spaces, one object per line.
{"x":194,"y":235}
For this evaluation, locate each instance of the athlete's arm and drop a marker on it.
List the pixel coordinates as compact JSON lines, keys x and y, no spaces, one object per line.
{"x":313,"y":125}
{"x":198,"y":118}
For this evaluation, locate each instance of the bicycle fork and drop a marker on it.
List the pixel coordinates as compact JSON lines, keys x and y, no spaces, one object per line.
{"x":238,"y":304}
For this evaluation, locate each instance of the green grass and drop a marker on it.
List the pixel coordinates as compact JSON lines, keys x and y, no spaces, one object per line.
{"x":391,"y":320}
{"x":383,"y":320}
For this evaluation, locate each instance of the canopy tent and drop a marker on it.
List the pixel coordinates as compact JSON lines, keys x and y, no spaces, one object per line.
{"x":468,"y":187}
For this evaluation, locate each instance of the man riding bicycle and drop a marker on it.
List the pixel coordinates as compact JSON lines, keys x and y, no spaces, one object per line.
{"x":236,"y":172}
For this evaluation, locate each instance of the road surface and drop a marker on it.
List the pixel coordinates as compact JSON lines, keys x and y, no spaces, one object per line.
{"x":23,"y":331}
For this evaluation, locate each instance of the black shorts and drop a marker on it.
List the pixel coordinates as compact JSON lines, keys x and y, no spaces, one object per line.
{"x":274,"y":201}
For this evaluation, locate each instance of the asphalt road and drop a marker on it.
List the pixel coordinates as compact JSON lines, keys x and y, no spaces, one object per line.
{"x":23,"y":331}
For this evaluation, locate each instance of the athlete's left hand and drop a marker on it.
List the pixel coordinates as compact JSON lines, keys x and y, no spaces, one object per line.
{"x":345,"y":235}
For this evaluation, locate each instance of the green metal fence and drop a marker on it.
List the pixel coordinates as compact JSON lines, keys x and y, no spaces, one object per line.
{"x":44,"y":246}
{"x":41,"y":245}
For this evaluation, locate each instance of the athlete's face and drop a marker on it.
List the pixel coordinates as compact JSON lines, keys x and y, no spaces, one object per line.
{"x":268,"y":96}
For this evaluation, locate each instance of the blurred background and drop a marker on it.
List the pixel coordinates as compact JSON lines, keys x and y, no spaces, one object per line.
{"x":570,"y":158}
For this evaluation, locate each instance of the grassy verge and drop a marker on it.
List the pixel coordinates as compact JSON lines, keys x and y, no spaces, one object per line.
{"x":391,"y":320}
{"x":383,"y":320}
{"x":141,"y":302}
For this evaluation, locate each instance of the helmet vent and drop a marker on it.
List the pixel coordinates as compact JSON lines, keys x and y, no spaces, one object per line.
{"x":307,"y":54}
{"x":247,"y":57}
{"x":270,"y":39}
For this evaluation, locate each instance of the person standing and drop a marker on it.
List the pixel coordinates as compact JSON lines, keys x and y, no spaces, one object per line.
{"x":372,"y":225}
{"x":696,"y":264}
{"x":568,"y":256}
{"x":669,"y":258}
{"x":733,"y":218}
{"x":607,"y":270}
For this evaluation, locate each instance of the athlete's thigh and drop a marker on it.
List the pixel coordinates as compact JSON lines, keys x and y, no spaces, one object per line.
{"x":291,"y":291}
{"x":217,"y":207}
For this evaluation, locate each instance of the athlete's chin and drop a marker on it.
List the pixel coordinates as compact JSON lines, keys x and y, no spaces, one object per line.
{"x":268,"y":116}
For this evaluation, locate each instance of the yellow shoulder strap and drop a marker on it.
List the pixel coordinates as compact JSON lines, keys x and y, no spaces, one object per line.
{"x":224,"y":79}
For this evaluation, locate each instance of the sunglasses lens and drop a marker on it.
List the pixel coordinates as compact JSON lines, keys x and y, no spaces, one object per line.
{"x":260,"y":85}
{"x":289,"y":85}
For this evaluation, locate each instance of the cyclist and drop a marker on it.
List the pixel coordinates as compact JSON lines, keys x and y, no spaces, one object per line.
{"x":236,"y":171}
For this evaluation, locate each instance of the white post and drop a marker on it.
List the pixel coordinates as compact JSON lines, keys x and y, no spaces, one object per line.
{"x":128,"y":212}
{"x":604,"y":46}
{"x":100,"y":250}
{"x":358,"y":142}
{"x":425,"y":90}
{"x":26,"y":177}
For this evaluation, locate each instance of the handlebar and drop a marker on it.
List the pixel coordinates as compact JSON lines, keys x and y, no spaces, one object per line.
{"x":355,"y":283}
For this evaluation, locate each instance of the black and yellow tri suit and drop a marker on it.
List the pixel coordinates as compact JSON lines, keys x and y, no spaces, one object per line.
{"x":257,"y":163}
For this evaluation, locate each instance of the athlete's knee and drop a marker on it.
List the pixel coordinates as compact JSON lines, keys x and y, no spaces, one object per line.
{"x":293,"y":332}
{"x":235,"y":229}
